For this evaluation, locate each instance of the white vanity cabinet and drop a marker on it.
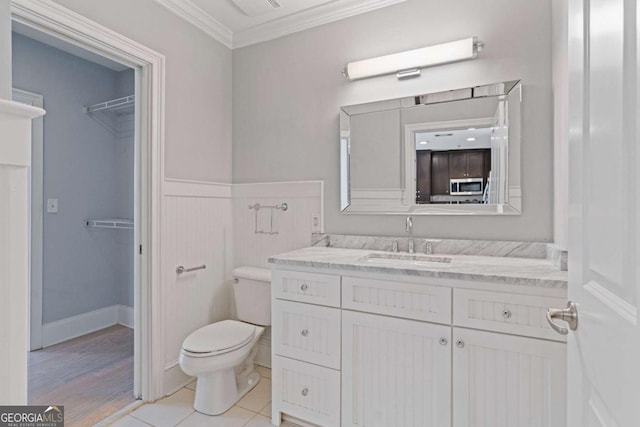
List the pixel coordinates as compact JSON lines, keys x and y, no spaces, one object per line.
{"x":502,"y":380}
{"x":385,"y":350}
{"x":395,"y":372}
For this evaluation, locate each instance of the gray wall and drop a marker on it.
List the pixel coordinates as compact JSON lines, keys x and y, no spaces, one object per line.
{"x":82,"y":266}
{"x":287,"y":93}
{"x":198,"y":84}
{"x":5,"y":50}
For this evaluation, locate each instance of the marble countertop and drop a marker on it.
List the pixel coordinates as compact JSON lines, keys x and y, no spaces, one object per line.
{"x":516,"y":271}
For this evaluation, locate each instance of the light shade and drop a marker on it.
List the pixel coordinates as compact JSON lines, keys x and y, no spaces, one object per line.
{"x":413,"y":60}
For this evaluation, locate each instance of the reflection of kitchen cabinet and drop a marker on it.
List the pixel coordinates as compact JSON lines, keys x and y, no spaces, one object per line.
{"x":423,"y":172}
{"x":440,"y":172}
{"x":469,"y":163}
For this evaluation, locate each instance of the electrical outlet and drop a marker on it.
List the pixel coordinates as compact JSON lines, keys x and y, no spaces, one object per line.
{"x":316,"y":223}
{"x":52,"y":205}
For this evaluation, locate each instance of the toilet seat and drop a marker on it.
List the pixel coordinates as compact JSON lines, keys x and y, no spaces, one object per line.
{"x":218,"y":338}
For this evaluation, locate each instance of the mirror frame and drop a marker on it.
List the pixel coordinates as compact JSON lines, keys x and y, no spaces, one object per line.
{"x":513,"y":205}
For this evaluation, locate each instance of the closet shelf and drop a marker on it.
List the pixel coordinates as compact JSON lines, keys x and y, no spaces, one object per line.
{"x":109,"y":223}
{"x":126,"y":102}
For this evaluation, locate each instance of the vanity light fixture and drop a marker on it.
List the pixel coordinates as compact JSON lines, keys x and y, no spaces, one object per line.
{"x":409,"y":64}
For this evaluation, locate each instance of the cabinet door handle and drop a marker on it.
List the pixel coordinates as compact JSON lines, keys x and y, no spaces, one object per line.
{"x":460,"y":344}
{"x":304,"y":287}
{"x":443,"y":341}
{"x":305,"y":332}
{"x":305,"y":391}
{"x":506,"y":313}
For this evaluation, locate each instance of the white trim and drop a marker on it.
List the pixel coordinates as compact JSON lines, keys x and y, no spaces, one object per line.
{"x":304,"y":20}
{"x":36,"y":218}
{"x":286,"y":189}
{"x":186,"y":188}
{"x":200,"y":19}
{"x":618,"y":306}
{"x":56,"y":20}
{"x":126,"y":316}
{"x":270,"y":30}
{"x":79,"y":325}
{"x":376,"y":197}
{"x":85,"y":323}
{"x":15,"y":127}
{"x":175,"y":378}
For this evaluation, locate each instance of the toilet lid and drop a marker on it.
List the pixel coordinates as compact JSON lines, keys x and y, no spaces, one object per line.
{"x":218,"y":337}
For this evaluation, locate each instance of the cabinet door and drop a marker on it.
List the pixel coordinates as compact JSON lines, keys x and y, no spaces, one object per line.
{"x":440,"y":172}
{"x":475,"y":164}
{"x":395,"y":372}
{"x":423,"y":176}
{"x":458,"y":166}
{"x":505,"y":381}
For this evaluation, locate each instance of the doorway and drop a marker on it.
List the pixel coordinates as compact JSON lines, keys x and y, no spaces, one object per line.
{"x":83,"y":233}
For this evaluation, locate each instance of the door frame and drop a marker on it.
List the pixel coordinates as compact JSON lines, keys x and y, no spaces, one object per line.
{"x":149,"y":66}
{"x":36,"y":219}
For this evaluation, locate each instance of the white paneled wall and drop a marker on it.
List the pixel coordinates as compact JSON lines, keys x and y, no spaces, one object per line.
{"x":293,"y":226}
{"x":196,"y":221}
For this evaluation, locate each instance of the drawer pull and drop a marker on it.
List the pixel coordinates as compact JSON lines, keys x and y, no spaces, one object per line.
{"x":304,"y":287}
{"x":460,"y":344}
{"x":305,"y":332}
{"x":305,"y":391}
{"x":443,"y":341}
{"x":506,"y":314}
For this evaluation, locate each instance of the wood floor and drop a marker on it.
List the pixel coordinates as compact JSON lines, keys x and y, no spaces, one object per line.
{"x":92,"y":376}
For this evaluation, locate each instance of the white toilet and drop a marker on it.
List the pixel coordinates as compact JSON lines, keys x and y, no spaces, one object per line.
{"x":221,"y":354}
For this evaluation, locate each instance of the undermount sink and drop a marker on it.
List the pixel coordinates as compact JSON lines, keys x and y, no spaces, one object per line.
{"x":406,"y":259}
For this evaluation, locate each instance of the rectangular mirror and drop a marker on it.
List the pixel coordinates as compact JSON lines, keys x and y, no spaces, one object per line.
{"x":446,"y":153}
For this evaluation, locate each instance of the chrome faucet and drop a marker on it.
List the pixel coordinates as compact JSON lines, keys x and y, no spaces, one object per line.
{"x":409,"y":229}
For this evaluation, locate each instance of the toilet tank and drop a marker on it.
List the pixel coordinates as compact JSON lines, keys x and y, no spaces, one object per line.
{"x":252,"y":291}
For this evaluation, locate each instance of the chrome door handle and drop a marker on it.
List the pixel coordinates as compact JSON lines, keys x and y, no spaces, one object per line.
{"x":569,"y":315}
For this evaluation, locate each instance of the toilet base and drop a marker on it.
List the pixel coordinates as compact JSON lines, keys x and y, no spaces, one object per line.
{"x":208,"y":402}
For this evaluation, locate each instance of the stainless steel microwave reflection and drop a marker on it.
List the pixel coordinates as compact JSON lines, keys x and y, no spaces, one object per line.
{"x":466,"y":186}
{"x":455,"y":152}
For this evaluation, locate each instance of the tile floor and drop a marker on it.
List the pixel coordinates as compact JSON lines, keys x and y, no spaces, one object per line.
{"x":253,"y":410}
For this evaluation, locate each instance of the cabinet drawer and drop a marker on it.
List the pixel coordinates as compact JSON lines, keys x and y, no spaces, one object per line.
{"x":408,"y":300}
{"x":322,"y":289}
{"x":503,"y":312}
{"x":306,"y":391}
{"x":306,"y":332}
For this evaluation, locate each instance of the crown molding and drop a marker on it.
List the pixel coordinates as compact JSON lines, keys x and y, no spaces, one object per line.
{"x":197,"y":17}
{"x":304,"y":21}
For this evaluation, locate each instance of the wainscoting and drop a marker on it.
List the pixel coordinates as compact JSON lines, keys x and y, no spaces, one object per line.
{"x":196,"y":230}
{"x":294,"y":227}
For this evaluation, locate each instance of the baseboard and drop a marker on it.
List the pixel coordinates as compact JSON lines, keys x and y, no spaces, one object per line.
{"x":174,"y":379}
{"x":85,"y":323}
{"x":76,"y":326}
{"x":126,"y":316}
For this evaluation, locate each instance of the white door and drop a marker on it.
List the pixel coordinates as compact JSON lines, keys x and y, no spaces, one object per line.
{"x":395,"y":372}
{"x":501,"y":380}
{"x":604,"y":351}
